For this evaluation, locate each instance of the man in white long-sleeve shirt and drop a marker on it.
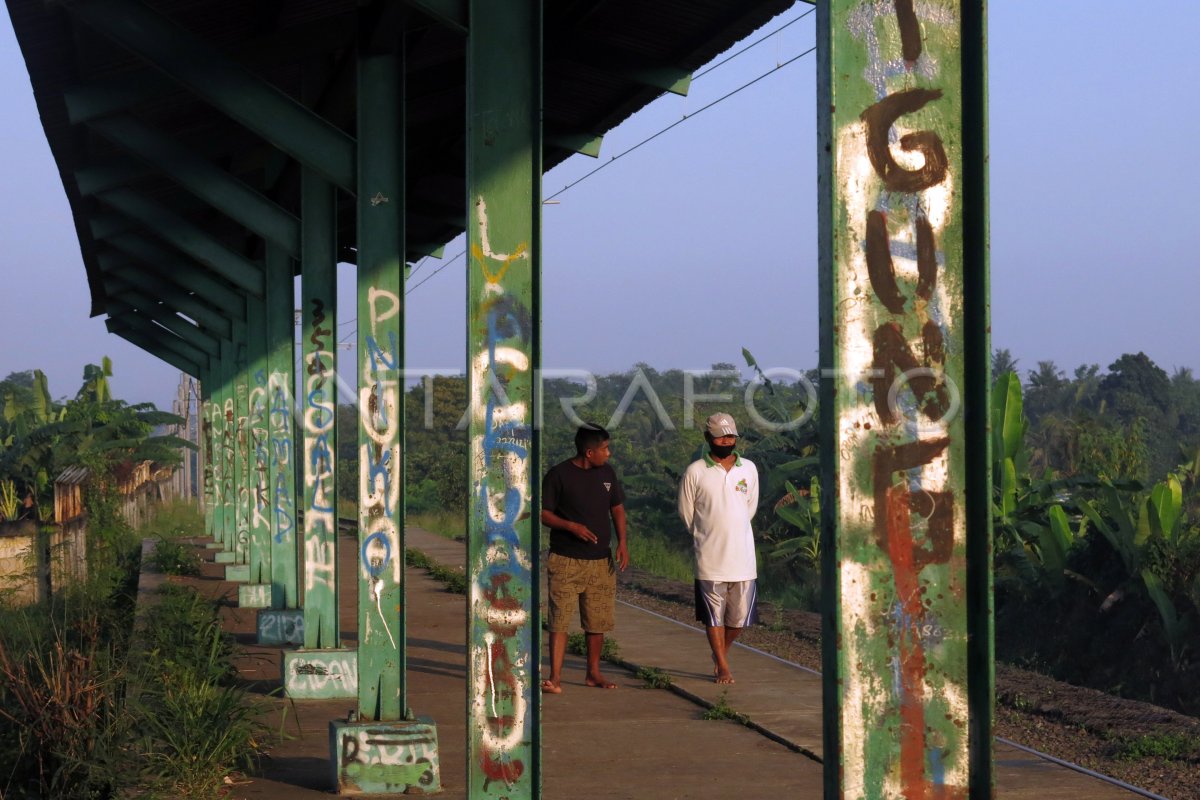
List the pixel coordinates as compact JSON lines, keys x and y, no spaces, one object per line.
{"x":718,"y":496}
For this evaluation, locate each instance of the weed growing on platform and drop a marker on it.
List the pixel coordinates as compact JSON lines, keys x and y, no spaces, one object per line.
{"x":454,"y":580}
{"x":577,"y":644}
{"x":722,"y":710}
{"x":654,"y":678}
{"x":177,"y":519}
{"x":198,"y":728}
{"x":172,"y":557}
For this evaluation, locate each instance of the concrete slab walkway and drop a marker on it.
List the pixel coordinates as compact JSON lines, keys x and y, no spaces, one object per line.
{"x":632,"y":742}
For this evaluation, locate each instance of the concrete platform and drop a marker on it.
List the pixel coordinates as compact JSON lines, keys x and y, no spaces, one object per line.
{"x":632,"y":742}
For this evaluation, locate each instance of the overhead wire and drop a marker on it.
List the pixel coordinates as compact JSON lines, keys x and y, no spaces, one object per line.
{"x":659,"y":133}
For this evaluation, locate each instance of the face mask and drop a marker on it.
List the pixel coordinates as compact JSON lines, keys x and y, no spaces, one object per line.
{"x":721,"y":450}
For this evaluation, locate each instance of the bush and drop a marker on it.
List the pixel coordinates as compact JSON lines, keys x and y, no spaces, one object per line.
{"x":172,"y":558}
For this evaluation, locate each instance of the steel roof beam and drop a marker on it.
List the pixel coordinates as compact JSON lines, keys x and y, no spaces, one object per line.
{"x":199,"y":176}
{"x":186,"y":331}
{"x":148,"y":344}
{"x":187,"y":238}
{"x":232,"y":89}
{"x":213,"y":322}
{"x":193,"y":278}
{"x":119,"y":172}
{"x":162,"y":341}
{"x":450,"y":13}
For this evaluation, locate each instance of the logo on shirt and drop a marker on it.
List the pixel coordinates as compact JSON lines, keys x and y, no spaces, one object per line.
{"x":742,"y":486}
{"x":607,"y":486}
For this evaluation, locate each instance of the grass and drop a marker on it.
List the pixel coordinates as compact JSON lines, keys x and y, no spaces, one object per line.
{"x":87,"y":711}
{"x":654,"y":678}
{"x":171,"y":557}
{"x":178,"y":519}
{"x":1170,"y":746}
{"x":449,"y":524}
{"x":454,"y":580}
{"x":577,"y":644}
{"x":658,"y":557}
{"x":722,"y":710}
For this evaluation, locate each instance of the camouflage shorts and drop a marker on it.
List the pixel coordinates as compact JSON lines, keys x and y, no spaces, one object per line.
{"x":592,"y":584}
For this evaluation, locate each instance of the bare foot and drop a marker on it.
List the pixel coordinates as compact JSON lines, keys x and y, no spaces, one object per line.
{"x":550,"y":687}
{"x":723,"y":677}
{"x":600,"y":682}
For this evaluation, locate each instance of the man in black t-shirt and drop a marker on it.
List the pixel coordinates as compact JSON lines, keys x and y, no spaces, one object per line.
{"x":579,"y":496}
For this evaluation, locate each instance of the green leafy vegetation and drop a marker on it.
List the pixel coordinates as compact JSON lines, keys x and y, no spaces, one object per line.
{"x":171,"y":557}
{"x":654,"y":678}
{"x":453,"y":579}
{"x":721,"y":709}
{"x":89,"y":708}
{"x":1096,"y":507}
{"x":1177,"y":747}
{"x":577,"y":644}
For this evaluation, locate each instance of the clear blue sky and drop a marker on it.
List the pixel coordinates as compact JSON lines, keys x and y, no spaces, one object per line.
{"x":704,"y":241}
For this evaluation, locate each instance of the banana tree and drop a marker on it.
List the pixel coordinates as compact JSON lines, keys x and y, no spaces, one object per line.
{"x":1032,"y":529}
{"x":1147,"y":531}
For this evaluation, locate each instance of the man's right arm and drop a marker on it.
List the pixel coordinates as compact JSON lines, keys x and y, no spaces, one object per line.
{"x":687,"y":500}
{"x":576,"y":529}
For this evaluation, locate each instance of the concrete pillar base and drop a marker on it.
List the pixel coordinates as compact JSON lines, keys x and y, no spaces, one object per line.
{"x":281,"y":626}
{"x":320,"y":674}
{"x":385,"y":757}
{"x":237,"y":572}
{"x":225,"y":557}
{"x":254,"y":595}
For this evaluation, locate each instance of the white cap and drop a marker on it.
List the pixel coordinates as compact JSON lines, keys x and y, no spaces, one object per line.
{"x":721,"y":425}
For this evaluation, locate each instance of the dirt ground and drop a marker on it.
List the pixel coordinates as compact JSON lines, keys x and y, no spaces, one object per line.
{"x":1083,"y":726}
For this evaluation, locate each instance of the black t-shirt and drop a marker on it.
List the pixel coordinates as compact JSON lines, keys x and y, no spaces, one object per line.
{"x":586,"y":496}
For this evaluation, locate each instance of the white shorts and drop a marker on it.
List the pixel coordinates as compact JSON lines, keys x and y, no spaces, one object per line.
{"x":732,"y":604}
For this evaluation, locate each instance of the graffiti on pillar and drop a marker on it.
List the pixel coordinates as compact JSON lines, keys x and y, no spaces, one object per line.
{"x":389,"y":759}
{"x":282,"y":493}
{"x":229,"y":468}
{"x":381,"y":559}
{"x":320,"y":491}
{"x":501,"y":440}
{"x":260,"y":481}
{"x":206,"y":432}
{"x":898,"y":316}
{"x":242,"y":459}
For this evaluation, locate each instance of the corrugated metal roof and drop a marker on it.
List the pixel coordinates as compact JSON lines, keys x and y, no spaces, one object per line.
{"x":591,"y":46}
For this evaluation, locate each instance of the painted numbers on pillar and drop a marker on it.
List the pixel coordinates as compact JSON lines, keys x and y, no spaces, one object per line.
{"x":899,"y":318}
{"x":500,"y":596}
{"x":379,"y":464}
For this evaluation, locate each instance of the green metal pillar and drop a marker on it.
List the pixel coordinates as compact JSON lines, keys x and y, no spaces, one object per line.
{"x":322,"y":668}
{"x":228,"y":432}
{"x":280,"y":301}
{"x":260,"y":445}
{"x":318,"y":287}
{"x":904,"y":348}
{"x":241,"y":456}
{"x":504,"y":70}
{"x":381,"y":652}
{"x":401,"y":749}
{"x":206,"y":464}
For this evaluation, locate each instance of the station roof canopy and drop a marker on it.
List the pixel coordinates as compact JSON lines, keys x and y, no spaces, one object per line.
{"x":186,"y":116}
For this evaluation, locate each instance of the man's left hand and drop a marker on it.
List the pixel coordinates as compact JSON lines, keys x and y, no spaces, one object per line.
{"x":622,"y":557}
